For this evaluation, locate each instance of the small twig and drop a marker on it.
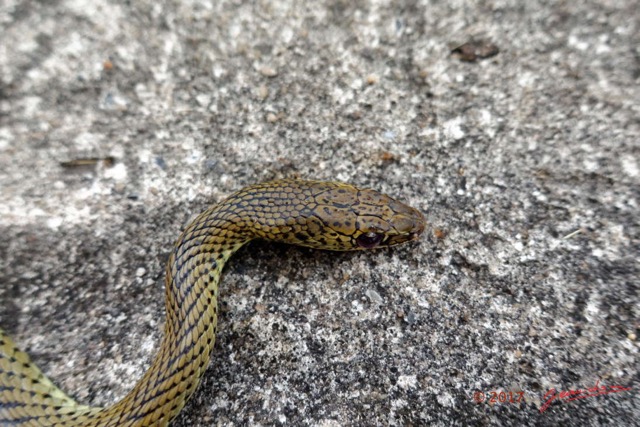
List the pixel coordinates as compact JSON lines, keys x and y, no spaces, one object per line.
{"x":573,"y":233}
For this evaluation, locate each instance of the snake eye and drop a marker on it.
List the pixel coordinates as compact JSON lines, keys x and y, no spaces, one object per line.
{"x":369,"y":240}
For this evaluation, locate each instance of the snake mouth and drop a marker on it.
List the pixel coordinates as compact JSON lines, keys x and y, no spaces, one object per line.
{"x":420,"y":225}
{"x":408,"y":236}
{"x":408,"y":226}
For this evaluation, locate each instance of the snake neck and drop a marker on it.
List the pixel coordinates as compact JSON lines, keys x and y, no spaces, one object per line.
{"x":192,"y":276}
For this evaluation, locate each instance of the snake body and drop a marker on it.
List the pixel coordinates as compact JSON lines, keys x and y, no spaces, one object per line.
{"x":324,"y":215}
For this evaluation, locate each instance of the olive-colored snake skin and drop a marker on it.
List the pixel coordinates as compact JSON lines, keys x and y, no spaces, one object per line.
{"x":324,"y":215}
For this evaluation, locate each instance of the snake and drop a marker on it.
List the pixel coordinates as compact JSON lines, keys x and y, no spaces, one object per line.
{"x":323,"y":215}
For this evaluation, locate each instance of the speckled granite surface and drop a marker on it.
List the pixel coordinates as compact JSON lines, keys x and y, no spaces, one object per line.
{"x":527,"y":165}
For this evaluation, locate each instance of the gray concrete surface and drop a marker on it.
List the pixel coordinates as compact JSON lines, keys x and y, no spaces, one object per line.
{"x":526,"y":164}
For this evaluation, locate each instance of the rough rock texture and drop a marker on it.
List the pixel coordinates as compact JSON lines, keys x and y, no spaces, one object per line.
{"x":526,"y":163}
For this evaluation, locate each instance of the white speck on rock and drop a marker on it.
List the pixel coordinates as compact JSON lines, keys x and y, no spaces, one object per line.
{"x":590,"y":165}
{"x":54,"y":223}
{"x":356,"y":84}
{"x":389,"y":135}
{"x":203,"y":99}
{"x":374,"y":296}
{"x":575,"y":42}
{"x":445,"y":399}
{"x":5,"y":136}
{"x":357,"y":307}
{"x":118,"y":172}
{"x":630,"y":166}
{"x":453,"y":128}
{"x":407,"y":381}
{"x":88,"y":141}
{"x":31,"y":105}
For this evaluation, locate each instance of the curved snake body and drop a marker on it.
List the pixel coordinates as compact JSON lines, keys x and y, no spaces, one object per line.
{"x":324,"y":215}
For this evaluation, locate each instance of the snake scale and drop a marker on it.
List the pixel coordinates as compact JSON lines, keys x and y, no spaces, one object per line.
{"x":323,"y":215}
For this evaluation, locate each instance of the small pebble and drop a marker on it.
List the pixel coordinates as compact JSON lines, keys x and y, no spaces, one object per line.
{"x":268,"y":71}
{"x":263,"y":92}
{"x":374,"y":296}
{"x":411,"y":318}
{"x":119,"y":187}
{"x":271,"y":118}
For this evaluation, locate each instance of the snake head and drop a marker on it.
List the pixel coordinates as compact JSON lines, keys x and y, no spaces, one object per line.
{"x":383,"y":221}
{"x":347,"y":218}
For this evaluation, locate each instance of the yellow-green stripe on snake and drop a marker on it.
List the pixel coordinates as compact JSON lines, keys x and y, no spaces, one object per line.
{"x":323,"y":215}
